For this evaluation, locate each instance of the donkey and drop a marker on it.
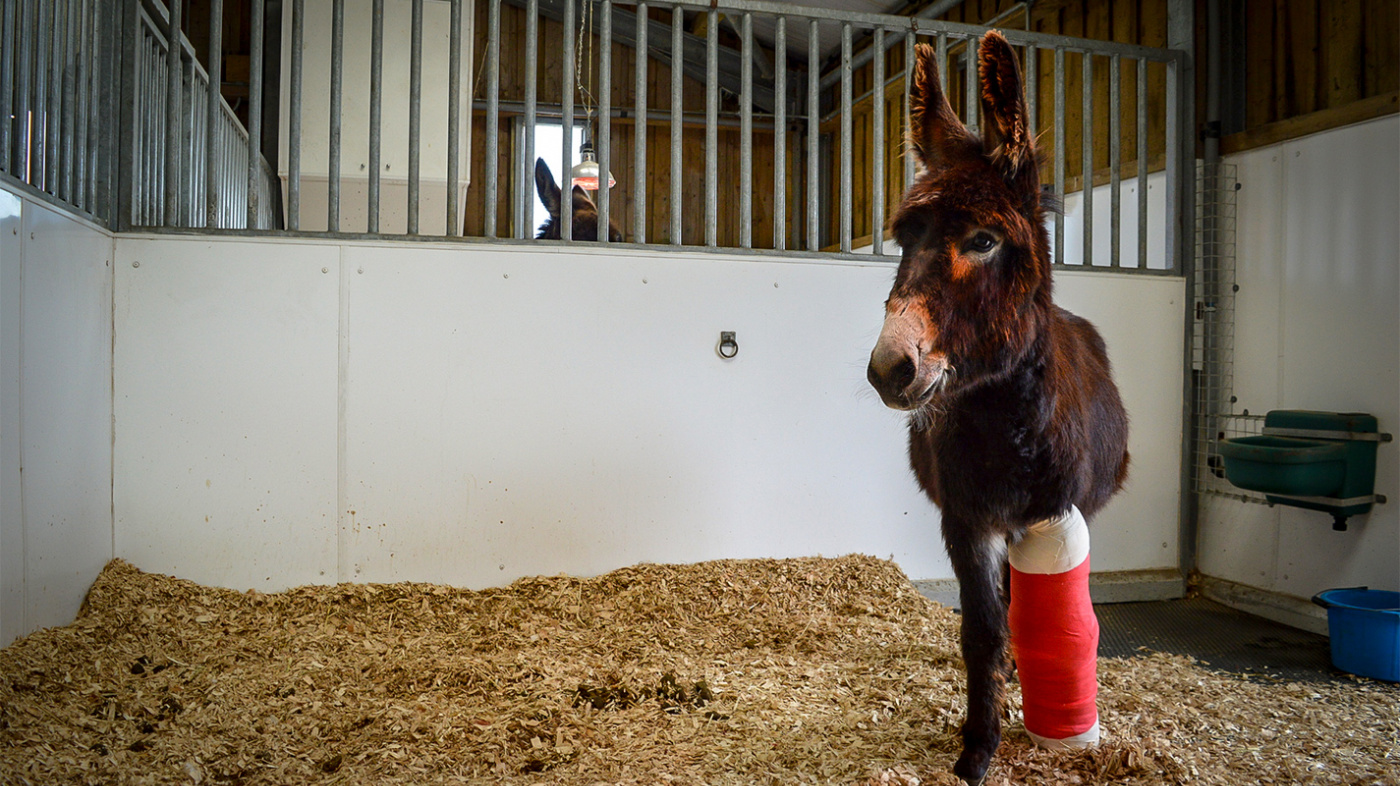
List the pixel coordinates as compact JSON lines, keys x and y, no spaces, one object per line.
{"x":1014,"y":413}
{"x":585,"y":212}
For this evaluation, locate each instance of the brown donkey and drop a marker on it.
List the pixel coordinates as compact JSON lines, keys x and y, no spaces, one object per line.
{"x":1014,"y":414}
{"x":585,"y":212}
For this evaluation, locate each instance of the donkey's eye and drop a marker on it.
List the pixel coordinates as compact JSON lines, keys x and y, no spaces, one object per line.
{"x":982,"y":242}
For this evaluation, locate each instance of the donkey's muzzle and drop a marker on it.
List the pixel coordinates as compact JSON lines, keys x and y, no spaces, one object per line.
{"x":901,"y":381}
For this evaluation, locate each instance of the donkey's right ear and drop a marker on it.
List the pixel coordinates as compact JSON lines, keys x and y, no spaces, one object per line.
{"x":545,"y":185}
{"x":1006,"y":131}
{"x":935,"y":132}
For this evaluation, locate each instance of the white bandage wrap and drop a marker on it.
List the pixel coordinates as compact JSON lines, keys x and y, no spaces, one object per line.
{"x":1054,"y":545}
{"x":1087,"y":739}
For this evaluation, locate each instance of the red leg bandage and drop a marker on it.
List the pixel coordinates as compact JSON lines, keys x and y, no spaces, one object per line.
{"x":1054,"y":633}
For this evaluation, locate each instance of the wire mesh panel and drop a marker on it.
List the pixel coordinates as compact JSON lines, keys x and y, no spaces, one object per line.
{"x":1213,"y":333}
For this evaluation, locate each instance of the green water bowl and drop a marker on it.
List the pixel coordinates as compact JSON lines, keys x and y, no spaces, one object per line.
{"x":1285,"y":465}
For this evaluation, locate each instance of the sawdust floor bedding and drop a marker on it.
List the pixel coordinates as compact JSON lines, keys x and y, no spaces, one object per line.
{"x":734,"y":672}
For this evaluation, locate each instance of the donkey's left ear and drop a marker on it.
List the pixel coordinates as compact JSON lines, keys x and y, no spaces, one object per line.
{"x":1006,"y":132}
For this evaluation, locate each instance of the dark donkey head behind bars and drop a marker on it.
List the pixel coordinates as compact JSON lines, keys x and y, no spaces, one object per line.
{"x":585,"y":212}
{"x":1014,"y":414}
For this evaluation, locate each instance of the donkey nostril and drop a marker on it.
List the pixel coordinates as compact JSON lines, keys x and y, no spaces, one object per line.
{"x":894,"y":378}
{"x":902,"y":374}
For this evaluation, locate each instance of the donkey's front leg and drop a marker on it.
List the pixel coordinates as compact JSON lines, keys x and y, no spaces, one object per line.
{"x":978,"y":556}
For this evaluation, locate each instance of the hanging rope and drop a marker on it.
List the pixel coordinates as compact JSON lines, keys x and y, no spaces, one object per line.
{"x":585,"y":36}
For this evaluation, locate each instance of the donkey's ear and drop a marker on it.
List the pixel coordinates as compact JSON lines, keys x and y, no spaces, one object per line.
{"x":581,"y":196}
{"x":935,"y":132}
{"x":1006,"y":133}
{"x":545,"y":185}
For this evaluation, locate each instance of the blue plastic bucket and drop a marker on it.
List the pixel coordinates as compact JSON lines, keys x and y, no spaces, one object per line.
{"x":1364,"y":625}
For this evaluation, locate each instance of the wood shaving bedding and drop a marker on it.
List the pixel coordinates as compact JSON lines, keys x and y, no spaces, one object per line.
{"x":730,"y":672}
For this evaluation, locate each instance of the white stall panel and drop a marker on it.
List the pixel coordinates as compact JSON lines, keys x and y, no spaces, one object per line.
{"x":11,"y":511}
{"x":1140,"y":318}
{"x":513,"y":412}
{"x":56,"y":311}
{"x":226,"y":410}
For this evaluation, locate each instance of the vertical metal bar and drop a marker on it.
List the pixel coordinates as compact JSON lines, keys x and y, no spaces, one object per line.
{"x":415,"y":113}
{"x":23,"y":143}
{"x":1115,"y":157}
{"x":604,"y":120}
{"x":376,"y":110}
{"x":7,"y":84}
{"x":909,"y":64}
{"x":108,"y":101}
{"x":1033,"y":87}
{"x":1142,"y":162}
{"x":711,"y":130}
{"x":38,"y":120}
{"x":780,"y":134}
{"x":337,"y":91}
{"x":532,"y":67}
{"x":255,"y":77}
{"x":941,"y":48}
{"x":175,"y":61}
{"x":454,"y":116}
{"x":72,"y":24}
{"x":845,"y":219}
{"x":971,"y":99}
{"x":566,"y":160}
{"x":493,"y":115}
{"x":1086,"y":192}
{"x":53,"y":117}
{"x":746,"y":131}
{"x":677,"y":58}
{"x":101,"y":72}
{"x":189,"y":152}
{"x":877,"y":180}
{"x":813,"y":131}
{"x":1060,"y":153}
{"x":1177,"y":181}
{"x":639,"y":132}
{"x":213,"y":109}
{"x":83,"y":76}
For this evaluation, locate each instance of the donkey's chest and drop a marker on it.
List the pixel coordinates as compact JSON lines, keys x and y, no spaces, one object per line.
{"x":993,"y":452}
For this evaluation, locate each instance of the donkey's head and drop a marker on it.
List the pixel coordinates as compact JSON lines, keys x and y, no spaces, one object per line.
{"x":585,"y":212}
{"x":973,"y":286}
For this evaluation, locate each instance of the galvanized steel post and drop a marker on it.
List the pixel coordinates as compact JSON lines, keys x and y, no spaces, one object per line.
{"x":711,"y":133}
{"x":255,"y":67}
{"x":415,"y":113}
{"x":566,"y":160}
{"x":639,"y":131}
{"x":493,"y":116}
{"x":376,"y":112}
{"x":780,"y":134}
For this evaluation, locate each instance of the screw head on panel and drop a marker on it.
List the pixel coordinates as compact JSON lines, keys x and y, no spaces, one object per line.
{"x":136,"y":264}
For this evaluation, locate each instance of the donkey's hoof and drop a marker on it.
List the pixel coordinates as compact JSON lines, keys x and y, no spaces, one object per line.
{"x":972,"y":767}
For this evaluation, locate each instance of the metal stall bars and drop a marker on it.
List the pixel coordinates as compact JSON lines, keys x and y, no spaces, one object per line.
{"x":54,"y":90}
{"x":185,"y":158}
{"x":185,"y":161}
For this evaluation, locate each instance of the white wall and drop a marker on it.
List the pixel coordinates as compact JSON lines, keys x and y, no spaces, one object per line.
{"x":1318,"y":327}
{"x":470,"y":414}
{"x":56,"y":418}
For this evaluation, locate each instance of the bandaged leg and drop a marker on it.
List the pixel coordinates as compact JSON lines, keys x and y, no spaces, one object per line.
{"x":1054,"y":633}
